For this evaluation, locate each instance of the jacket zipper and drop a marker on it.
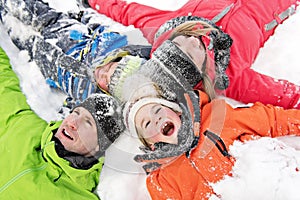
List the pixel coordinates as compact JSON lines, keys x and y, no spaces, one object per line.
{"x":217,"y":140}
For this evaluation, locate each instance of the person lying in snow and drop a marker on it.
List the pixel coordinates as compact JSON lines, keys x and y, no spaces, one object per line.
{"x":249,"y":24}
{"x":56,"y":160}
{"x":74,"y":42}
{"x":71,"y":76}
{"x":186,"y":139}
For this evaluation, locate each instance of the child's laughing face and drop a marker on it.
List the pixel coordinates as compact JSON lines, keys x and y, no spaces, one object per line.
{"x":157,"y":123}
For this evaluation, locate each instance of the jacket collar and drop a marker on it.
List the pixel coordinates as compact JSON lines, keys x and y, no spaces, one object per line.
{"x":87,"y":178}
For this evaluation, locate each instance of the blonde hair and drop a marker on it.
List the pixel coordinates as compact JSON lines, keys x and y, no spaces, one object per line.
{"x":198,"y":29}
{"x":143,"y":140}
{"x":190,"y":28}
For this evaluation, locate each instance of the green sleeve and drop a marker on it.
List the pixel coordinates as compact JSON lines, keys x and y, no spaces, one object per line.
{"x":13,"y":104}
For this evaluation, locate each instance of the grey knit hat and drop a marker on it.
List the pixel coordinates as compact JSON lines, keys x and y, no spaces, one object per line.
{"x":175,"y":59}
{"x":127,"y":65}
{"x":220,"y":44}
{"x":107,"y":115}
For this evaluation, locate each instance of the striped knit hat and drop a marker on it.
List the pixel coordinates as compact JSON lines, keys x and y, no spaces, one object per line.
{"x":126,"y":67}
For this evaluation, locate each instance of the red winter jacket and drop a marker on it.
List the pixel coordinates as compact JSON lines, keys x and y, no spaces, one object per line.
{"x":246,"y":22}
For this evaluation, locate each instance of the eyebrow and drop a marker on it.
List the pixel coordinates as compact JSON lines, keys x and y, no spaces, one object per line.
{"x":189,"y":55}
{"x":86,"y":117}
{"x":91,"y":119}
{"x":154,"y":108}
{"x":176,"y":43}
{"x":157,"y":110}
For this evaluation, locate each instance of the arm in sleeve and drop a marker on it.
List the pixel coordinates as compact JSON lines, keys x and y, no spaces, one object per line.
{"x":263,"y":120}
{"x":251,"y":86}
{"x":12,"y":100}
{"x":160,"y":187}
{"x":14,"y":112}
{"x":145,"y":18}
{"x":246,"y":84}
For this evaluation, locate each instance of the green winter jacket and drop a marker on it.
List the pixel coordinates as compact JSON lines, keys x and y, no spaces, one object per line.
{"x":30,"y":166}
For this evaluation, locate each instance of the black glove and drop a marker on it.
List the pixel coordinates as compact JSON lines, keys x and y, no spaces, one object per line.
{"x":84,"y":3}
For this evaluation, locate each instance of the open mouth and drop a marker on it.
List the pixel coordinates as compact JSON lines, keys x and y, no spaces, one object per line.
{"x":67,"y":134}
{"x":168,"y":129}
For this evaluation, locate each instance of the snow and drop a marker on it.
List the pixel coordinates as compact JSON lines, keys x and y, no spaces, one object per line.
{"x":277,"y":57}
{"x":265,"y":168}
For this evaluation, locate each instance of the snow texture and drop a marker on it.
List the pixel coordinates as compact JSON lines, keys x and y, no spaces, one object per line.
{"x":265,"y":169}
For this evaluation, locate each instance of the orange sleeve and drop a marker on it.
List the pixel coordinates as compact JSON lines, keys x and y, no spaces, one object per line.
{"x":263,"y":120}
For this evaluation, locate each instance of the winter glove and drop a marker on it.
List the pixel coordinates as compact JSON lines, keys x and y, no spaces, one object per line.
{"x":85,"y":3}
{"x":142,"y":51}
{"x":96,"y":44}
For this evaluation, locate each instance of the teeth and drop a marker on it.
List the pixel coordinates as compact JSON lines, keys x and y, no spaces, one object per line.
{"x":67,"y":133}
{"x":167,"y":127}
{"x":166,"y":124}
{"x":163,"y":128}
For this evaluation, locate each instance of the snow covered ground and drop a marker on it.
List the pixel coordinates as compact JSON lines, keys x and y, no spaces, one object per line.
{"x":265,"y":169}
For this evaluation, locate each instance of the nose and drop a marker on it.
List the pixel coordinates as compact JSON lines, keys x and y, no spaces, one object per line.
{"x":156,"y":117}
{"x":73,"y":122}
{"x":194,"y":41}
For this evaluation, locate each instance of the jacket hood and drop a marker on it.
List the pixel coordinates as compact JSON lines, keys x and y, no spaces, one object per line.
{"x":188,"y":136}
{"x":173,"y":88}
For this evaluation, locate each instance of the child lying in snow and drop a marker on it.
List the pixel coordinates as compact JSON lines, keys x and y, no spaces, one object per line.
{"x":54,"y":35}
{"x":187,"y":150}
{"x":249,"y":24}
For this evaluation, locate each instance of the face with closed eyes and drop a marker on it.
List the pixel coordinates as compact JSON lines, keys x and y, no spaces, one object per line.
{"x":78,"y":133}
{"x":102,"y":74}
{"x":192,"y":47}
{"x":157,"y":123}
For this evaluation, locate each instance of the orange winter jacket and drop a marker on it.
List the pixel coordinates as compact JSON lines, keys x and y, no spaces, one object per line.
{"x":190,"y":178}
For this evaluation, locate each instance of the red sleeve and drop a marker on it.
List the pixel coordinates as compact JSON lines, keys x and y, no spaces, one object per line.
{"x":147,"y":19}
{"x":248,"y":85}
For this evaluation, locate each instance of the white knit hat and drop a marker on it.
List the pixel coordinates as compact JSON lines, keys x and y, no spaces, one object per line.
{"x":130,"y":110}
